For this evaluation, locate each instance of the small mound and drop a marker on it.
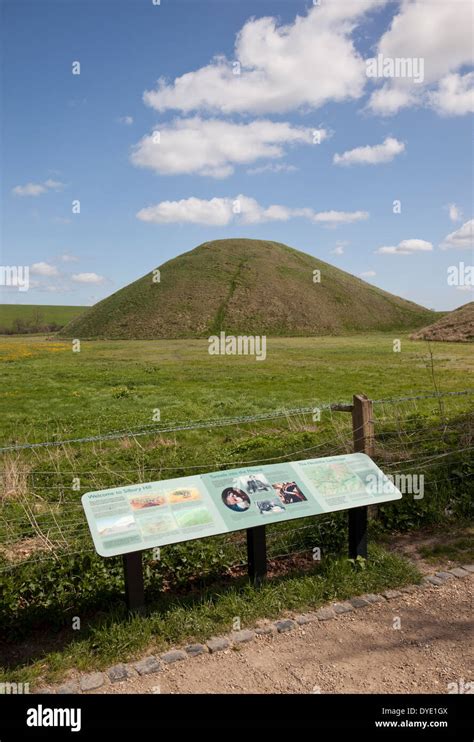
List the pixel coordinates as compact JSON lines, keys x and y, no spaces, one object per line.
{"x":455,"y":327}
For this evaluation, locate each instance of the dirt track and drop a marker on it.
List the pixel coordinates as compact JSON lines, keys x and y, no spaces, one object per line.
{"x":357,"y":652}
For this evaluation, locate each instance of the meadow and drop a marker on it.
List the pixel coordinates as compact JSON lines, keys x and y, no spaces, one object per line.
{"x":48,"y":568}
{"x":15,"y":318}
{"x":108,"y":384}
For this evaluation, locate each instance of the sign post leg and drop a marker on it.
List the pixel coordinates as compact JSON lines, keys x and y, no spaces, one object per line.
{"x":134,"y":587}
{"x":257,"y":554}
{"x":358,"y":532}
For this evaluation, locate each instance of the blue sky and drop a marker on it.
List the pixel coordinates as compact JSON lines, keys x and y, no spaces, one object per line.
{"x":230,"y":141}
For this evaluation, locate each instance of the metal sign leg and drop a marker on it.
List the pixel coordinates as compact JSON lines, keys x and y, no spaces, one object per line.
{"x":257,"y":554}
{"x":134,"y":587}
{"x":358,"y":532}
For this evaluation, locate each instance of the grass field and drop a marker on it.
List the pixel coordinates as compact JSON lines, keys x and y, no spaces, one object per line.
{"x":111,"y":384}
{"x":48,"y":568}
{"x":35,"y":315}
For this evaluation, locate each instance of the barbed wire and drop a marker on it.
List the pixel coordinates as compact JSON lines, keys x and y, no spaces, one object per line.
{"x":425,"y":395}
{"x":221,"y":422}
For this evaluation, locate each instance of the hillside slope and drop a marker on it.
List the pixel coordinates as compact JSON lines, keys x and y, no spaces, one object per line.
{"x":245,"y":286}
{"x":455,"y":327}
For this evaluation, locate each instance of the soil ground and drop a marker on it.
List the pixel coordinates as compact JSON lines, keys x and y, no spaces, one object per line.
{"x":358,"y":652}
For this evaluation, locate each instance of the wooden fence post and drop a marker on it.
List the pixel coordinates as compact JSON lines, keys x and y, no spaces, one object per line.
{"x":363,"y":435}
{"x":363,"y":424}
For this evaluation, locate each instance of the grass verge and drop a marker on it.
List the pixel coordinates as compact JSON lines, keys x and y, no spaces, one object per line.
{"x":458,"y":548}
{"x":170,"y":621}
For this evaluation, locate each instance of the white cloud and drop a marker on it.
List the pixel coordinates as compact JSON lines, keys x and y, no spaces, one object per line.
{"x":68,"y":258}
{"x":406,"y":247}
{"x":455,"y":213}
{"x":213,"y":147}
{"x":87,"y":278}
{"x":439,"y":33}
{"x":55,"y":185}
{"x":127,"y":120}
{"x":455,"y":95}
{"x":340,"y":217}
{"x":36,"y":189}
{"x":388,"y":100}
{"x":304,"y":64}
{"x":30,"y":189}
{"x":371,"y":155}
{"x":272,"y":168}
{"x":461,"y":239}
{"x":241,"y":209}
{"x":44,"y":269}
{"x":367,"y":274}
{"x":339,"y":249}
{"x":216,"y":212}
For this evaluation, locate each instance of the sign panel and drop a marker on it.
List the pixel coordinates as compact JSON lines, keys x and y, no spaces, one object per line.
{"x":142,"y":516}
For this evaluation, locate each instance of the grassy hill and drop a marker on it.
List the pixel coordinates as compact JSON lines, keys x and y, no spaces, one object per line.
{"x":245,"y":286}
{"x":457,"y":326}
{"x":28,"y":318}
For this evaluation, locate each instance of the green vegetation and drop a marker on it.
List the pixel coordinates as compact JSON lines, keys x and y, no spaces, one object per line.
{"x":456,"y":548}
{"x":174,"y":619}
{"x":246,"y":286}
{"x":50,"y":390}
{"x":35,"y":318}
{"x":49,"y":571}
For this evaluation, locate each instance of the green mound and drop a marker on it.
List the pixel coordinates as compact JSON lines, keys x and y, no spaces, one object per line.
{"x":244,"y":286}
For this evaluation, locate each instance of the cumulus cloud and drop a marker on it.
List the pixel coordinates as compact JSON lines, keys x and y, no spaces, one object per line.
{"x":87,"y":278}
{"x":278,"y":68}
{"x":44,"y":269}
{"x":272,"y":168}
{"x":406,"y":247}
{"x":455,"y":95}
{"x":371,"y":155}
{"x":68,"y":258}
{"x":461,"y":239}
{"x":339,"y":249}
{"x":439,"y":33}
{"x":332,"y":218}
{"x":367,"y":274}
{"x":241,"y":209}
{"x":213,"y":147}
{"x":455,"y":213}
{"x":36,"y":189}
{"x":127,"y":120}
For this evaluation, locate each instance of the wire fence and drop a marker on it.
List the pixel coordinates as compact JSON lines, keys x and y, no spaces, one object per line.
{"x":35,"y":528}
{"x":223,"y":422}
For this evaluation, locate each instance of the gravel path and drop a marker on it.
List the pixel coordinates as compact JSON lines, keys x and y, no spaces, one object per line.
{"x":357,"y":652}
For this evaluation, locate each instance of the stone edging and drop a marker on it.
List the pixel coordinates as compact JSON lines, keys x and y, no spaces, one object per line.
{"x":154,"y":664}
